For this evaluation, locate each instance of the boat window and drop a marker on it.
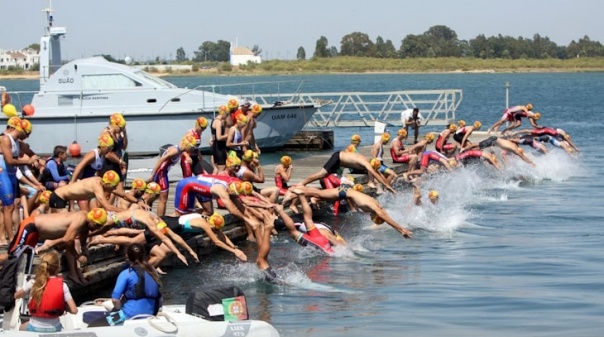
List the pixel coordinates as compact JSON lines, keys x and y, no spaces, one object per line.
{"x":108,"y":81}
{"x":156,"y":80}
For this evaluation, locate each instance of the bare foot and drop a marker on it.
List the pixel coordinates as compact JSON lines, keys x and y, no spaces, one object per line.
{"x":159,"y":271}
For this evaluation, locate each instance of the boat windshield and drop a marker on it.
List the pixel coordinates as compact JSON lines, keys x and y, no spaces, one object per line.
{"x":156,"y":80}
{"x":107,"y":81}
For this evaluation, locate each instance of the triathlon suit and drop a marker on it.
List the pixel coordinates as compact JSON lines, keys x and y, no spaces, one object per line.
{"x":528,"y":140}
{"x":182,"y":225}
{"x":187,"y":169}
{"x":9,"y":186}
{"x":91,"y":169}
{"x":27,"y":236}
{"x":380,"y":154}
{"x":117,"y":148}
{"x":441,"y":142}
{"x":510,"y":113}
{"x":399,"y":159}
{"x":333,"y":181}
{"x":429,"y":157}
{"x":237,"y":138}
{"x":219,"y":149}
{"x":545,"y":131}
{"x":314,"y":238}
{"x":491,"y":141}
{"x":469,"y":155}
{"x":161,"y":177}
{"x":459,"y":134}
{"x":281,"y":184}
{"x":333,"y":164}
{"x":189,"y":189}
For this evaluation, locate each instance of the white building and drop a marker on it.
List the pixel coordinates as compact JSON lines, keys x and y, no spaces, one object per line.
{"x":243,"y":55}
{"x":23,"y":59}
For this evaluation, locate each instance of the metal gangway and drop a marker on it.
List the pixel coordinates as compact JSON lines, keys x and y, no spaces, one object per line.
{"x":358,"y":109}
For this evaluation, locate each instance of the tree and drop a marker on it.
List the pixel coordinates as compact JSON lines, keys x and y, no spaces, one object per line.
{"x":181,"y":55}
{"x":384,"y":49}
{"x":413,"y":46}
{"x":213,"y":51}
{"x":357,"y":44}
{"x":256,"y":50}
{"x":321,"y":48}
{"x":443,"y":41}
{"x":34,"y":46}
{"x":301,"y":54}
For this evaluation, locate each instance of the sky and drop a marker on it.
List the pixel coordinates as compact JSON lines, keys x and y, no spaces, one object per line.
{"x":146,"y":29}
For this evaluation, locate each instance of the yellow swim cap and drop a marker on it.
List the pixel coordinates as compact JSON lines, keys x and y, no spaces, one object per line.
{"x":358,"y":187}
{"x":248,"y":155}
{"x":139,"y":184}
{"x":233,"y":104}
{"x":153,"y":188}
{"x":286,"y":160}
{"x":9,"y":110}
{"x":241,"y":119}
{"x":256,"y":109}
{"x":216,"y":220}
{"x":201,"y":121}
{"x":433,"y":194}
{"x":15,"y":123}
{"x":111,"y":177}
{"x":236,"y":187}
{"x":537,"y":115}
{"x":105,"y":141}
{"x":402,"y":132}
{"x":477,"y":125}
{"x":223,"y":109}
{"x":351,"y":148}
{"x":44,"y":197}
{"x":461,"y":123}
{"x":247,"y":188}
{"x":26,"y":126}
{"x":529,"y":107}
{"x":429,"y":137}
{"x":355,"y":139}
{"x":117,"y":119}
{"x":385,"y":137}
{"x":452,"y":127}
{"x":188,"y":141}
{"x":232,"y":161}
{"x":98,"y":216}
{"x":375,"y":163}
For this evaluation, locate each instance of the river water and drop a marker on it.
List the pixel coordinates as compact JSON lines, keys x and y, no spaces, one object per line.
{"x":513,"y":253}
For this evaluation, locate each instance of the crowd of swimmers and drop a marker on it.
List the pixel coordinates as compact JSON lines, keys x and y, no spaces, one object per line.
{"x":72,"y":210}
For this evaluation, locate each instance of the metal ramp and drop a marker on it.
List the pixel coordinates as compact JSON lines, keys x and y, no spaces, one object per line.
{"x":358,"y":109}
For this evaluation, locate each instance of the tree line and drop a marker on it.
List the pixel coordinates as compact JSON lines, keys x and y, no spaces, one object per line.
{"x":437,"y":41}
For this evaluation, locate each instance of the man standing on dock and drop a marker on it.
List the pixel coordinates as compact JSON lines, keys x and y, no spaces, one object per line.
{"x":412,"y":117}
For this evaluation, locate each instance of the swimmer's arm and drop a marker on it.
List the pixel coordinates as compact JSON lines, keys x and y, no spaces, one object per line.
{"x":104,"y":228}
{"x":166,"y":240}
{"x":417,"y":196}
{"x":99,"y":194}
{"x":179,"y":240}
{"x":171,"y":153}
{"x":467,"y":135}
{"x":73,"y":230}
{"x":113,"y":157}
{"x":352,"y":205}
{"x":8,"y":155}
{"x":228,"y":245}
{"x":126,"y":196}
{"x":255,"y":178}
{"x":77,"y":172}
{"x":533,"y":123}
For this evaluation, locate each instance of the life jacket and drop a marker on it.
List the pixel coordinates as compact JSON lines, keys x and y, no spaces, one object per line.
{"x":46,"y":176}
{"x":52,"y":304}
{"x":139,"y":289}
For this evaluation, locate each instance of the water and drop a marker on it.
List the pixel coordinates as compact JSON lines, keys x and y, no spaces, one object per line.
{"x":511,"y":253}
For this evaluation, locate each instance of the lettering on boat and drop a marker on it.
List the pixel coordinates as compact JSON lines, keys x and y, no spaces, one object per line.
{"x":66,"y":80}
{"x":285,"y":116}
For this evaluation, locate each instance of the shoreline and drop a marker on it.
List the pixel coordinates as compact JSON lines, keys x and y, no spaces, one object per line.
{"x":215,"y":72}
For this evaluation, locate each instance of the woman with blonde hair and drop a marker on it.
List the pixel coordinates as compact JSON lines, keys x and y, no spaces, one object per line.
{"x":50,"y":296}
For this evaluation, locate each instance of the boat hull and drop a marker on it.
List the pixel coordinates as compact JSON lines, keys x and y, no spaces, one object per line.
{"x":147,"y":132}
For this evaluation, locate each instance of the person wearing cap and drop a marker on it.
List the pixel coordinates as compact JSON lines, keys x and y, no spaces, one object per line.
{"x":505,"y":145}
{"x":556,"y":137}
{"x":190,"y":160}
{"x":248,"y":131}
{"x":137,"y":190}
{"x":417,"y":195}
{"x":235,"y":141}
{"x":462,"y":135}
{"x":355,"y":140}
{"x":377,"y":151}
{"x":169,"y":158}
{"x":232,"y":108}
{"x":509,"y":115}
{"x":219,"y":139}
{"x":421,"y":146}
{"x":359,"y":200}
{"x":478,"y":155}
{"x":117,"y":158}
{"x":252,"y":171}
{"x":10,"y":160}
{"x":398,"y":152}
{"x":59,"y":229}
{"x":350,"y":160}
{"x":533,"y":117}
{"x":86,"y":189}
{"x":144,"y":227}
{"x":442,"y":145}
{"x":412,"y":118}
{"x":429,"y":158}
{"x":151,"y":194}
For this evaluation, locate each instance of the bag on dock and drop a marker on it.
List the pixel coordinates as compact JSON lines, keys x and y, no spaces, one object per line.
{"x":217,"y":303}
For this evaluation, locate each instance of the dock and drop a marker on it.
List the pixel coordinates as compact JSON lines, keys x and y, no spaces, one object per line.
{"x":106,"y":261}
{"x":311,"y":140}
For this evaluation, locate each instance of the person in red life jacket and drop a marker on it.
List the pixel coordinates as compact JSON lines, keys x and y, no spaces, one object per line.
{"x":472,"y":155}
{"x":49,"y":296}
{"x":189,"y":159}
{"x":442,"y":145}
{"x":160,"y":171}
{"x":509,"y":115}
{"x":359,"y":200}
{"x":428,"y":158}
{"x":462,"y":136}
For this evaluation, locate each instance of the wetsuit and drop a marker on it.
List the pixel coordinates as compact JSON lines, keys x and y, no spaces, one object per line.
{"x":192,"y":188}
{"x":441,"y":142}
{"x":399,"y":159}
{"x":161,"y":177}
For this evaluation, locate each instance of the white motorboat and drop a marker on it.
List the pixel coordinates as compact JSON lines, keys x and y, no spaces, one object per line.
{"x":75,"y":101}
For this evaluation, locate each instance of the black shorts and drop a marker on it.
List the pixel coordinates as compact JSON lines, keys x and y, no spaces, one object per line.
{"x":491,"y":141}
{"x":56,"y":202}
{"x":333,"y":164}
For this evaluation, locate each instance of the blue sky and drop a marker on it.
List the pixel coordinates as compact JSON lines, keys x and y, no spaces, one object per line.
{"x":145,"y":29}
